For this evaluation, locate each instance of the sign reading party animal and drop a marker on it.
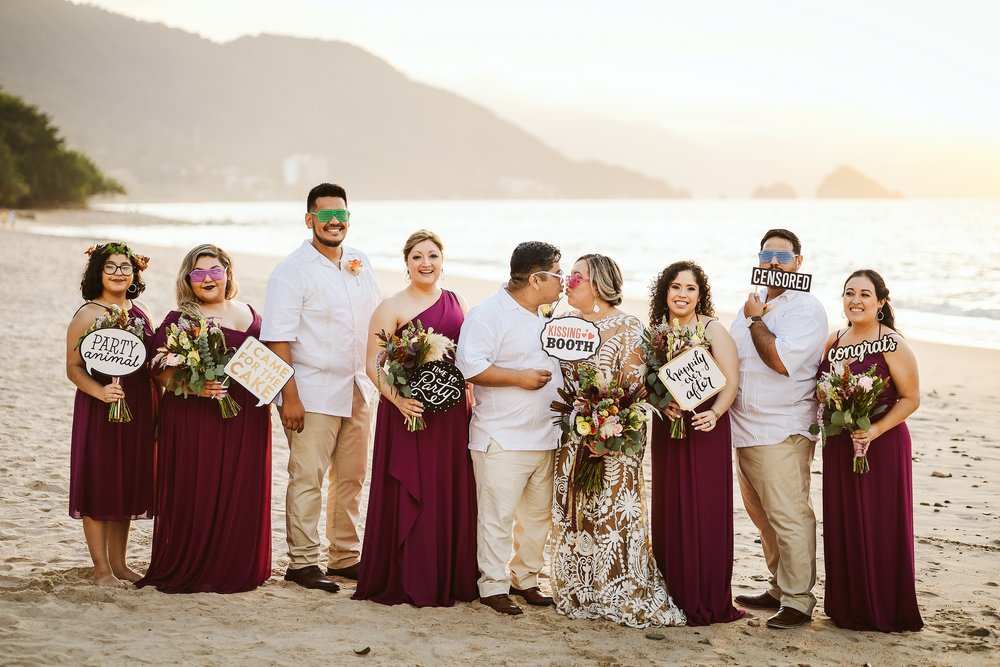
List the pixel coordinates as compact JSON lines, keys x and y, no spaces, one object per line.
{"x":438,"y":385}
{"x":114,"y":352}
{"x":570,"y":338}
{"x":692,"y":377}
{"x":800,"y":282}
{"x":260,"y":370}
{"x":860,"y":350}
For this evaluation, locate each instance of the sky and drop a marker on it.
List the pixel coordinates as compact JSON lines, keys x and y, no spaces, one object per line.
{"x":905,"y":90}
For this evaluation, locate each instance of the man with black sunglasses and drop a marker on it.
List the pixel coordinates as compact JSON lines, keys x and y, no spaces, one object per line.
{"x":780,"y":336}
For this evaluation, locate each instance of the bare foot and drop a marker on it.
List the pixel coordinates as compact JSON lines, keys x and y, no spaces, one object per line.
{"x":128,"y":574}
{"x":108,"y":581}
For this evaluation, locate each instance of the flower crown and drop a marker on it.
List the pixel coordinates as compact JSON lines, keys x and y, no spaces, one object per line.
{"x":141,"y":261}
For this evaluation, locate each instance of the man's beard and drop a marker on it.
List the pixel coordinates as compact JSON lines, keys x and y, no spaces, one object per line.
{"x":326,"y":242}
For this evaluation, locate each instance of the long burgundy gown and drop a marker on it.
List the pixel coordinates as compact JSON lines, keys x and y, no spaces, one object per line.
{"x":213,"y":500}
{"x":692,"y":517}
{"x":111,"y":464}
{"x":868,"y":526}
{"x":420,"y":533}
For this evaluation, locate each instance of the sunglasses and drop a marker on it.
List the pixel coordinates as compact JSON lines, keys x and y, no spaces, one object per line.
{"x":784,"y":257}
{"x":328,"y":214}
{"x":558,"y":276}
{"x":216,"y":273}
{"x":573,"y":280}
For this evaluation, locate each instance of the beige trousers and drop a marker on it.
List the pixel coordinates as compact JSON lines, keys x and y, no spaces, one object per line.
{"x":774,"y":482}
{"x":334,"y":447}
{"x":513,"y":490}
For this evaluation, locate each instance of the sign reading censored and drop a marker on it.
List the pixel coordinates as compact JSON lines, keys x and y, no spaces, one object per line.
{"x":800,"y":282}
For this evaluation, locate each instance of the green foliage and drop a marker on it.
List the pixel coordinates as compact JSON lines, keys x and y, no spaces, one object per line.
{"x":36,"y":169}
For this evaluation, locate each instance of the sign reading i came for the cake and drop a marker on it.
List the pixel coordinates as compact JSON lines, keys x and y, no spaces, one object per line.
{"x":114,"y":352}
{"x":438,"y":385}
{"x":570,"y":338}
{"x":793,"y":280}
{"x":861,"y":350}
{"x":692,"y":377}
{"x":260,"y":370}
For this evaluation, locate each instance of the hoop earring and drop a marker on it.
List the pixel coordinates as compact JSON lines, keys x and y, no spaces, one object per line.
{"x":442,"y":273}
{"x":880,"y":315}
{"x":132,"y":289}
{"x":407,"y":276}
{"x":843,"y":314}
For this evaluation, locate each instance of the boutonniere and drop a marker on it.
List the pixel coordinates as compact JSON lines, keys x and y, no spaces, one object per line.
{"x":354,"y":266}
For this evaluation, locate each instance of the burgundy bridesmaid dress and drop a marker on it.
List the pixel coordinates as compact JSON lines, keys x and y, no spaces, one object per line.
{"x":420,"y":533}
{"x":111,"y":465}
{"x":868,"y":526}
{"x":213,"y":500}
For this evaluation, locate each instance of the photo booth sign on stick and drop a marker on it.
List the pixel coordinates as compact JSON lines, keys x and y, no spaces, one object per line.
{"x":438,"y":385}
{"x":692,"y":377}
{"x":114,"y":352}
{"x":260,"y":370}
{"x":793,"y":280}
{"x":570,"y":338}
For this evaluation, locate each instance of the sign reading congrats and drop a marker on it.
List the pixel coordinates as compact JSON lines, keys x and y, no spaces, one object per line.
{"x":692,"y":378}
{"x":438,"y":385}
{"x":261,"y":371}
{"x":570,"y":338}
{"x":800,"y":282}
{"x":114,"y":352}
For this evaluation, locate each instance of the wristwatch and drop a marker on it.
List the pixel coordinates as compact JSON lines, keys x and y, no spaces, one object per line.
{"x":755,"y":318}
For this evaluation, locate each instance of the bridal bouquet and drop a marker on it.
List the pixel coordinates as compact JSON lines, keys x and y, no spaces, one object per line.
{"x":598,"y":414}
{"x":405,"y":352}
{"x":116,"y":318}
{"x":662,"y":343}
{"x":197,"y":351}
{"x":847,"y":403}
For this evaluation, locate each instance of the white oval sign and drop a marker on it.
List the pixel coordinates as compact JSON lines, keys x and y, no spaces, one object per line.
{"x":570,"y":338}
{"x":114,"y":352}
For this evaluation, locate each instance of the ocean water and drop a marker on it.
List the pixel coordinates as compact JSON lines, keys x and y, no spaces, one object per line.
{"x":940,"y":258}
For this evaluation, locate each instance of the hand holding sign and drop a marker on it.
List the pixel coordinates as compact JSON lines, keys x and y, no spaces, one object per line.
{"x":259,"y":370}
{"x":114,"y":352}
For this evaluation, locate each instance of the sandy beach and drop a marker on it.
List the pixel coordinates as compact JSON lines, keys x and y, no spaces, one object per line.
{"x":50,"y":613}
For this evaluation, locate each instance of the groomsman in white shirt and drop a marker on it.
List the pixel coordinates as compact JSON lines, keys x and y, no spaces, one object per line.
{"x":780,"y":335}
{"x":319,"y":302}
{"x":512,"y":434}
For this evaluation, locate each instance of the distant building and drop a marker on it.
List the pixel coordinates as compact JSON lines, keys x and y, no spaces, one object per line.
{"x":305,"y":169}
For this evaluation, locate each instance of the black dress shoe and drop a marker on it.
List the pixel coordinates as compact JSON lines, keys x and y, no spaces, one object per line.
{"x":349,"y":572}
{"x":762,"y":601}
{"x":502,"y":604}
{"x":788,"y":618}
{"x":532,"y":596}
{"x":311,"y":577}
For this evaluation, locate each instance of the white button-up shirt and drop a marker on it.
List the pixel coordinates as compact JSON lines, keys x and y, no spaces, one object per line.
{"x":499,"y":332}
{"x":771,"y":407}
{"x":323,"y":311}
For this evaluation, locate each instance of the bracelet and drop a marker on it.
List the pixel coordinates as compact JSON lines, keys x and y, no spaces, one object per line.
{"x":712,"y":410}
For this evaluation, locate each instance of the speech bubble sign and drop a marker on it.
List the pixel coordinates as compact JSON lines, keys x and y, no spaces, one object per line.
{"x":438,"y":385}
{"x":259,"y":370}
{"x":114,"y":352}
{"x":570,"y":338}
{"x":692,"y":377}
{"x":793,"y":280}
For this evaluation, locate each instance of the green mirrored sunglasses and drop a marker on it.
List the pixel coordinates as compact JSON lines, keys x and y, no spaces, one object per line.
{"x":328,"y":214}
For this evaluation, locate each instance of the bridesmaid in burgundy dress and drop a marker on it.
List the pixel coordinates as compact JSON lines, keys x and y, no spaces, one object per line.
{"x":868,"y":519}
{"x":213,"y":500}
{"x":111,"y":464}
{"x":420,"y":533}
{"x":692,"y":513}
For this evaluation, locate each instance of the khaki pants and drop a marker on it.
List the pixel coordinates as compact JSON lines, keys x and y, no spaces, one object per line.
{"x":336,"y":447}
{"x":514,"y":490}
{"x":774,"y":482}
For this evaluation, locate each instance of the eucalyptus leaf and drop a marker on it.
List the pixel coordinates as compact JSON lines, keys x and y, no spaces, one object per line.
{"x":863,"y":423}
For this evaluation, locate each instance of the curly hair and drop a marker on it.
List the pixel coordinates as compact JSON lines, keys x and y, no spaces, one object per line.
{"x":660,"y":287}
{"x":92,"y":283}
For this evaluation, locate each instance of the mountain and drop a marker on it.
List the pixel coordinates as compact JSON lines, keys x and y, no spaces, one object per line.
{"x":848,"y":183}
{"x":175,"y":116}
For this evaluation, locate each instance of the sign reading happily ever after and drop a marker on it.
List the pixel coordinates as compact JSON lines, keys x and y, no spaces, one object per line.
{"x":259,"y":370}
{"x":570,"y":338}
{"x":692,"y":377}
{"x":793,"y":280}
{"x":438,"y":385}
{"x":114,"y":352}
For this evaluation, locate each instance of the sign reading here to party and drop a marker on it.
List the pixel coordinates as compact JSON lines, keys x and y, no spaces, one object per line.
{"x":692,"y":378}
{"x":570,"y":338}
{"x":114,"y":352}
{"x":260,"y":370}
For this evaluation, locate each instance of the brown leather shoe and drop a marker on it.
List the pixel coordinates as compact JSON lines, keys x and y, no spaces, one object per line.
{"x":532,"y":596}
{"x":788,"y":618}
{"x":762,"y":601}
{"x":311,"y":577}
{"x":501,"y":603}
{"x":349,"y":572}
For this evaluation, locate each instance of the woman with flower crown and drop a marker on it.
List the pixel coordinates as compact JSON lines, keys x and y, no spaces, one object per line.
{"x":600,"y":554}
{"x":213,"y":500}
{"x":111,"y":463}
{"x":692,"y":512}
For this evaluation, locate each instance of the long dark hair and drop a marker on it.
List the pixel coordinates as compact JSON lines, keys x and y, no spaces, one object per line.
{"x":91,"y":284}
{"x":881,"y":292}
{"x":658,"y":289}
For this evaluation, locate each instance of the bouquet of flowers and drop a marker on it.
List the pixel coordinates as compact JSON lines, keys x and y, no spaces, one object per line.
{"x":116,"y":318}
{"x":405,"y":352}
{"x":597,"y":413}
{"x":196,"y":349}
{"x":847,"y":403}
{"x":660,"y":345}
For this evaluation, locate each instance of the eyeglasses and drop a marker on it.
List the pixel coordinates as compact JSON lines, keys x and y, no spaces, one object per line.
{"x":216,"y":273}
{"x":112,"y":269}
{"x":573,"y":280}
{"x":558,"y":276}
{"x":328,"y":214}
{"x":784,"y":257}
